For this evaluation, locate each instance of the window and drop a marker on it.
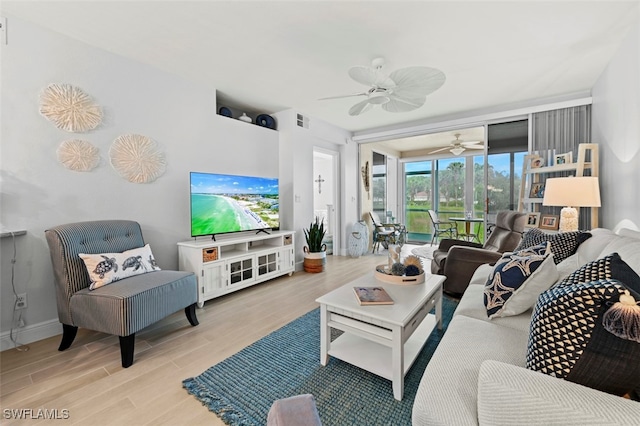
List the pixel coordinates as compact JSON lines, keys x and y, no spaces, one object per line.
{"x":379,"y":184}
{"x":418,"y":199}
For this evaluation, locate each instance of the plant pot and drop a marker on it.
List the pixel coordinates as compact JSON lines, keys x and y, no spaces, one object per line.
{"x":314,"y":261}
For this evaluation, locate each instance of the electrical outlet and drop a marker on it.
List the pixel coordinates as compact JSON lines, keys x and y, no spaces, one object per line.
{"x":21,"y":302}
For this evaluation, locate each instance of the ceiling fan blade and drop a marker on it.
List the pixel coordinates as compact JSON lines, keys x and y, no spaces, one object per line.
{"x":439,"y":150}
{"x":417,"y":80}
{"x":363,"y":75}
{"x":360,"y":107}
{"x":467,"y":143}
{"x":473,"y":146}
{"x":344,"y":96}
{"x":399,"y":104}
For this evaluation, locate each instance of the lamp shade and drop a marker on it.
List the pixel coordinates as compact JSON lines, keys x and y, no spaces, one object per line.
{"x":582,"y":191}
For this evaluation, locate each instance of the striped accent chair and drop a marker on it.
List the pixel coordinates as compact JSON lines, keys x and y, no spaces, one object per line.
{"x":123,"y":307}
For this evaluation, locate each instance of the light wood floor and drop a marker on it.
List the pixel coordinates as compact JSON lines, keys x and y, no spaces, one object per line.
{"x":88,"y":380}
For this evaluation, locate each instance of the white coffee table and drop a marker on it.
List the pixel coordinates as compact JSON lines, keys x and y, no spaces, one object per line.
{"x":382,"y":339}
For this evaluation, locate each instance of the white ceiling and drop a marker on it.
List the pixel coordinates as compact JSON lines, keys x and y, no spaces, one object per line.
{"x":270,"y":56}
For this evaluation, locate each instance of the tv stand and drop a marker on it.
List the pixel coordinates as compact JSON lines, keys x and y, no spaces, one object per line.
{"x":234,"y":262}
{"x":262,"y":230}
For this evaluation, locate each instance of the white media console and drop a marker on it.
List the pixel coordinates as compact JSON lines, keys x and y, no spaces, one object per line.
{"x":233,"y":262}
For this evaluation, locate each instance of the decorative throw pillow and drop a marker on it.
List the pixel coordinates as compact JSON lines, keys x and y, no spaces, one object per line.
{"x":563,"y":244}
{"x":518,"y":279}
{"x":567,"y":338}
{"x":607,"y":268}
{"x":105,"y":268}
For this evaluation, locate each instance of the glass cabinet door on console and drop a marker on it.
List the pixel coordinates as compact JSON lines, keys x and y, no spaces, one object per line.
{"x":241,"y":271}
{"x":267,"y":264}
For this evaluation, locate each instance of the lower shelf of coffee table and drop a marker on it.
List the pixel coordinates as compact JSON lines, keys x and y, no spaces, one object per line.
{"x":375,"y":357}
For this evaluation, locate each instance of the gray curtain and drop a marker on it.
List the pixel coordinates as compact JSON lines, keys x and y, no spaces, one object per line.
{"x":558,"y":132}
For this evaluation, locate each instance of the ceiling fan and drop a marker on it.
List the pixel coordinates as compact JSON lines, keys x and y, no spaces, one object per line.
{"x":403,"y":90}
{"x":457,"y":146}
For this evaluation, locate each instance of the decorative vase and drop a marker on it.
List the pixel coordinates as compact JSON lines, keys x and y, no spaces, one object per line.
{"x":355,"y":244}
{"x":359,"y":239}
{"x":314,"y":261}
{"x":244,"y":117}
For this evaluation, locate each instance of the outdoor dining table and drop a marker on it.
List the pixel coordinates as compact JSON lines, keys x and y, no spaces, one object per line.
{"x":468,"y":235}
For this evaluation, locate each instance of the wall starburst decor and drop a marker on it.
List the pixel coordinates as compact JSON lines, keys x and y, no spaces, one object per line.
{"x":78,"y":155}
{"x":136,"y":158}
{"x":69,"y":108}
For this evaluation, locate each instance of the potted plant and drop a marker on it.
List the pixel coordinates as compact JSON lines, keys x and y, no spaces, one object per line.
{"x":315,"y":252}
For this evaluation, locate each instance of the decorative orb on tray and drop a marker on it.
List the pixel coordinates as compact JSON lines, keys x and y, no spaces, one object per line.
{"x":383,"y":273}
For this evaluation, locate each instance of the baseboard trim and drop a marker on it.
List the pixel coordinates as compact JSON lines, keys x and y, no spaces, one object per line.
{"x":31,"y":333}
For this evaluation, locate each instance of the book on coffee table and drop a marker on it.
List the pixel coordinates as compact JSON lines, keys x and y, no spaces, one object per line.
{"x":372,"y":296}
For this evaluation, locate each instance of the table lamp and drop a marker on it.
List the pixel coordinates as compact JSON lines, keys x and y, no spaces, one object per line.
{"x":571,"y":192}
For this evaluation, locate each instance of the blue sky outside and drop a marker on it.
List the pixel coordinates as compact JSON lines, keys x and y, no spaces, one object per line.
{"x":208,"y":183}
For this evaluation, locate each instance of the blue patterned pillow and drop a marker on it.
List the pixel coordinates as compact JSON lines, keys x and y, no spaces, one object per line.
{"x":518,"y":279}
{"x":563,"y":244}
{"x":568,"y":340}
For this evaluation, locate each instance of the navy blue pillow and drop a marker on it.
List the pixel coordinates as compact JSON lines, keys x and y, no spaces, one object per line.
{"x":607,"y":268}
{"x":568,"y":340}
{"x":563,"y":244}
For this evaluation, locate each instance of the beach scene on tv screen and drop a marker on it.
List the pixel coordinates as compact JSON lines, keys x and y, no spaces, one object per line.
{"x":229,"y":203}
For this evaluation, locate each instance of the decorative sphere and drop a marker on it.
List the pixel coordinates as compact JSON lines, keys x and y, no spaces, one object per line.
{"x":397,"y":269}
{"x":411,"y":270}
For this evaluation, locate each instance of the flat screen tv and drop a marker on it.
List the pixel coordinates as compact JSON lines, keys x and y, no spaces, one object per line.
{"x":221,"y":204}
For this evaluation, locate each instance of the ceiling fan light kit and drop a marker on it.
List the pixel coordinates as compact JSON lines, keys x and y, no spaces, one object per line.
{"x":457,"y":147}
{"x":403,"y":90}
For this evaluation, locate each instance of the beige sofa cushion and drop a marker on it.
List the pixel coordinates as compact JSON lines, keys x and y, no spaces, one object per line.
{"x":628,"y":249}
{"x":448,"y":391}
{"x":518,"y":396}
{"x":472,"y":306}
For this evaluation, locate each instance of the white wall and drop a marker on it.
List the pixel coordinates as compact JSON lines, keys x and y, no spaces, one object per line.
{"x":616,"y":127}
{"x":37,"y":192}
{"x":296,"y":174}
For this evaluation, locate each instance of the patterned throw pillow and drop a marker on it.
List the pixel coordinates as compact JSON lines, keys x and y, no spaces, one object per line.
{"x":568,"y":340}
{"x":563,"y":244}
{"x":105,"y":268}
{"x":607,"y":268}
{"x":518,"y":279}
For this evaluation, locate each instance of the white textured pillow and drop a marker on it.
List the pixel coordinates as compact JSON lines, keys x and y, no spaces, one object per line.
{"x":105,"y":268}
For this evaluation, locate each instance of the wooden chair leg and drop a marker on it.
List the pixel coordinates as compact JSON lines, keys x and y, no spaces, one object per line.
{"x":190,"y":312}
{"x":68,"y":335}
{"x":127,"y":344}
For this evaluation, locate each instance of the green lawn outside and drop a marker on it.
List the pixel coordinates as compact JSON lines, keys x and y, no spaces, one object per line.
{"x":419,"y":224}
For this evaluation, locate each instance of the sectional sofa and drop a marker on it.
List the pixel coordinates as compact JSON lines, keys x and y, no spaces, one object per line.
{"x":478,"y":373}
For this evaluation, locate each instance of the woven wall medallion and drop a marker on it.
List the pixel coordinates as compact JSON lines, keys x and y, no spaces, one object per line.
{"x":78,"y":155}
{"x":136,"y":158}
{"x":69,"y":108}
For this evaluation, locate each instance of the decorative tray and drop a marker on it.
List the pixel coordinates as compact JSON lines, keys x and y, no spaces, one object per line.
{"x":382,"y":274}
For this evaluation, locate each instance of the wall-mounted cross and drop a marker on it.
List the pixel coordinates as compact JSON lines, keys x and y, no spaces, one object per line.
{"x":319,"y":180}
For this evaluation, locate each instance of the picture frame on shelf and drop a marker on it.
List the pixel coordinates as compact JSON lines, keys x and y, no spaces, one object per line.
{"x":536,"y":163}
{"x":566,"y":158}
{"x":533,"y":220}
{"x":537,"y":190}
{"x":549,"y":221}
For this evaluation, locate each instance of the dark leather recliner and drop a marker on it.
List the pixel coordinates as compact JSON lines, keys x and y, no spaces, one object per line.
{"x":458,"y":259}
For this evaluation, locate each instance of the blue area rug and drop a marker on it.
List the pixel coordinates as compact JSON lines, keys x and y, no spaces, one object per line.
{"x":241,"y":389}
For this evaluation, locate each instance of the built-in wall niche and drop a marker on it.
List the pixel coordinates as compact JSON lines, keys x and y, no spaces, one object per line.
{"x":229,"y":108}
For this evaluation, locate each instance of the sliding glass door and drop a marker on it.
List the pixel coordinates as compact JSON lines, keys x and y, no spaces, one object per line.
{"x":418,"y":186}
